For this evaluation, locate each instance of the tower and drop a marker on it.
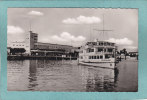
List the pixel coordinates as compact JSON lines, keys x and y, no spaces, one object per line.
{"x":31,"y":39}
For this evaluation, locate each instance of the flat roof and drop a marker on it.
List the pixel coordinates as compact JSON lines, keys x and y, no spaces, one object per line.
{"x":52,"y":44}
{"x":18,"y":42}
{"x":44,"y":51}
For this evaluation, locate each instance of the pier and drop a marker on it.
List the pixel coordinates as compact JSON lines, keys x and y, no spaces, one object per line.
{"x":23,"y":57}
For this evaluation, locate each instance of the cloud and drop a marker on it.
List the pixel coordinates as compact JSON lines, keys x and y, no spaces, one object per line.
{"x":67,"y":39}
{"x":36,"y":13}
{"x":82,"y":20}
{"x":131,"y":47}
{"x":124,"y":41}
{"x":65,"y":36}
{"x":14,"y":30}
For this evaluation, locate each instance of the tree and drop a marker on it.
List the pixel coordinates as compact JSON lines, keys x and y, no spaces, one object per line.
{"x":17,"y":50}
{"x":123,"y":51}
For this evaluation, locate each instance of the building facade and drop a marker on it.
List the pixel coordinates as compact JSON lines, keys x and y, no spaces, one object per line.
{"x":52,"y":47}
{"x":18,"y":44}
{"x":30,"y":40}
{"x":32,"y":46}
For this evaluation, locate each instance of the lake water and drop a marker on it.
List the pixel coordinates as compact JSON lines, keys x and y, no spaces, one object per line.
{"x":49,"y":75}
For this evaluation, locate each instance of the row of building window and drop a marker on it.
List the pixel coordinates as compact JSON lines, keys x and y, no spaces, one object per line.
{"x":17,"y":45}
{"x":51,"y":47}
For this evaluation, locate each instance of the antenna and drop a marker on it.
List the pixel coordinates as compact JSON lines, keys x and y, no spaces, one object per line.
{"x":30,"y":25}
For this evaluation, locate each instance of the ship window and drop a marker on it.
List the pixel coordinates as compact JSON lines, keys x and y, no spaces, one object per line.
{"x":97,"y":57}
{"x":94,"y":43}
{"x":110,"y":50}
{"x":101,"y":57}
{"x":90,"y":50}
{"x":107,"y":56}
{"x":89,"y":57}
{"x":100,"y":49}
{"x":94,"y":57}
{"x":101,"y":43}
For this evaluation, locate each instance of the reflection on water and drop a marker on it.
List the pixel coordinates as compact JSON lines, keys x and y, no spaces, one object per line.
{"x":32,"y":75}
{"x":46,"y":75}
{"x":99,"y":79}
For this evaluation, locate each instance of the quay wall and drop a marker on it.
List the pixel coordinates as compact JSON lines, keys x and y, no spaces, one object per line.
{"x":15,"y":57}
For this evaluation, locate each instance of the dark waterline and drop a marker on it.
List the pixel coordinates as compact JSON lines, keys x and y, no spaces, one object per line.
{"x":47,"y":75}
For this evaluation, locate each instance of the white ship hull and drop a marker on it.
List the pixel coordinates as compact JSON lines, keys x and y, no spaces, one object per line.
{"x":98,"y":54}
{"x":110,"y":65}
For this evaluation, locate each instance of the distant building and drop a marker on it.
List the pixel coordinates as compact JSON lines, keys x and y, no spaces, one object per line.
{"x":32,"y":46}
{"x":18,"y":44}
{"x":133,"y":54}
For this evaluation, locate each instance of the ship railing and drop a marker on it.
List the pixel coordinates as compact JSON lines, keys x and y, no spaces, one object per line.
{"x":103,"y":52}
{"x":98,"y":46}
{"x":92,"y":53}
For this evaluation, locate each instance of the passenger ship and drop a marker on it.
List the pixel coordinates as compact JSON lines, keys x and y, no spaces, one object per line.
{"x":98,"y":54}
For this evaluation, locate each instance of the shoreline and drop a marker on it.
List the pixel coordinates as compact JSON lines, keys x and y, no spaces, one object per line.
{"x":21,"y":57}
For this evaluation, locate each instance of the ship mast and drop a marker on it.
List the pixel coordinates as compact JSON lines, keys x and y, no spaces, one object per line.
{"x":103,"y":29}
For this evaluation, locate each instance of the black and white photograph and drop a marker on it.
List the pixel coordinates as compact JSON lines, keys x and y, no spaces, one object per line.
{"x":72,"y":49}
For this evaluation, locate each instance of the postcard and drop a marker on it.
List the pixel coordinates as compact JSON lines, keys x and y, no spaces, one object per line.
{"x":73,"y":50}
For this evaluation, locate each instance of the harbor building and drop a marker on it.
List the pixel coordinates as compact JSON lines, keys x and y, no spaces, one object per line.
{"x":31,"y":39}
{"x":35,"y":48}
{"x":18,"y":44}
{"x":52,"y":47}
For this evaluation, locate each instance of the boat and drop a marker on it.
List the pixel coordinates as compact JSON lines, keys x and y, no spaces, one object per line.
{"x":98,"y":54}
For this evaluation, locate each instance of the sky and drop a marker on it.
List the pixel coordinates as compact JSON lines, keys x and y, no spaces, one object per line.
{"x":75,"y":26}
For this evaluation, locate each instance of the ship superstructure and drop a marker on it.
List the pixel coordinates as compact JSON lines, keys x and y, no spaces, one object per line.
{"x":99,"y":53}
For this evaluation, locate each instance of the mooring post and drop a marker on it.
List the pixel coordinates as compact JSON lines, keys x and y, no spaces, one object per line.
{"x":125,"y":56}
{"x":120,"y":58}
